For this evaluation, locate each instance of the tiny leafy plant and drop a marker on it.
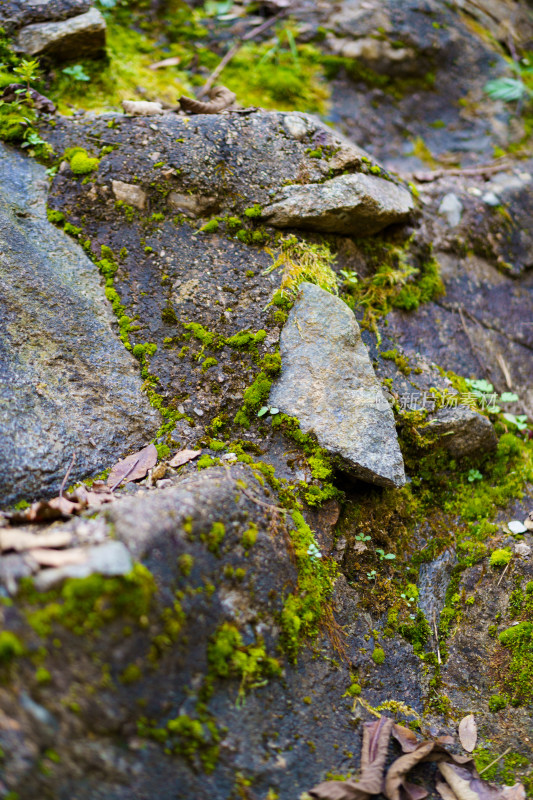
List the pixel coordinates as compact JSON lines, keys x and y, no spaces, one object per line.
{"x":349,"y":277}
{"x":383,"y":556}
{"x":267,"y":410}
{"x":27,"y":71}
{"x":474,"y":475}
{"x":372,"y":575}
{"x":76,"y":72}
{"x":519,"y":421}
{"x":361,"y":537}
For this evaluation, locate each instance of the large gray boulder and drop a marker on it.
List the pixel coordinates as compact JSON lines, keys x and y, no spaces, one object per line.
{"x":67,"y":385}
{"x":357,"y":205}
{"x":15,"y":14}
{"x":328,"y":383}
{"x":76,"y":37}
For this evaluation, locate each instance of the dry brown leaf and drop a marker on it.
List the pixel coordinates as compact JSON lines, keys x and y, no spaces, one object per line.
{"x":90,"y":498}
{"x":221,"y":98}
{"x":173,"y":61}
{"x":134,"y":467}
{"x":21,"y":540}
{"x":398,"y":770}
{"x":58,"y":558}
{"x":445,"y":791}
{"x":459,"y":779}
{"x":414,"y":792}
{"x":376,"y":736}
{"x":468,"y":733}
{"x":406,"y":738}
{"x":182,"y":457}
{"x":516,"y":792}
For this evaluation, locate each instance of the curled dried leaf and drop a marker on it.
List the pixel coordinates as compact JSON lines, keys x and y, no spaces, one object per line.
{"x":220,"y":99}
{"x":376,"y":736}
{"x":182,"y":457}
{"x":133,"y":468}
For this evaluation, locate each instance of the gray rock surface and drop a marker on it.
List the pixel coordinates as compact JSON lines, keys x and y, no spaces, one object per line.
{"x":66,"y":383}
{"x":359,"y":205}
{"x":462,"y":431}
{"x":109,"y":558}
{"x":16,"y":13}
{"x":81,"y":36}
{"x":328,"y":383}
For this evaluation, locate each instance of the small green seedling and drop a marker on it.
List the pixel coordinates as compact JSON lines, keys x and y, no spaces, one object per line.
{"x":383,"y":556}
{"x":76,"y":72}
{"x":267,"y":410}
{"x":362,"y":538}
{"x":474,"y":475}
{"x":372,"y":575}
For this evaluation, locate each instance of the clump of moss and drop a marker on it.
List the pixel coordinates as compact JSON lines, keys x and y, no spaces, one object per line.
{"x":10,"y":647}
{"x":304,"y":609}
{"x":229,"y":657}
{"x":378,"y":655}
{"x":80,"y":161}
{"x":185,"y":564}
{"x":500,"y":558}
{"x":497,"y":702}
{"x":84,"y":605}
{"x":187,"y":737}
{"x":246,"y":340}
{"x":253,"y":212}
{"x":214,"y":538}
{"x":254,"y":397}
{"x":519,"y":641}
{"x":302,"y":261}
{"x":249,"y":536}
{"x":57,"y":217}
{"x":210,"y":227}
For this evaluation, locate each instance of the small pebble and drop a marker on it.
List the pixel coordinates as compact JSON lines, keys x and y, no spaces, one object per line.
{"x":515,"y":526}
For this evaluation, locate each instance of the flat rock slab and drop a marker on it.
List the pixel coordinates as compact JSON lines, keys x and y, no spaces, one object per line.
{"x":16,"y":13}
{"x":357,"y":205}
{"x":76,"y":37}
{"x":67,"y":385}
{"x":328,"y":383}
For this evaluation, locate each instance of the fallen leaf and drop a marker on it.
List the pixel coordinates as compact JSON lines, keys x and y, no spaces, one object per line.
{"x":173,"y":61}
{"x":468,"y":733}
{"x":134,"y":467}
{"x":405,"y":737}
{"x":516,"y":792}
{"x":183,"y":456}
{"x":398,"y":770}
{"x":459,"y":780}
{"x":58,"y":558}
{"x":376,"y":736}
{"x":414,"y":792}
{"x":90,"y":498}
{"x":445,"y":791}
{"x":21,"y":540}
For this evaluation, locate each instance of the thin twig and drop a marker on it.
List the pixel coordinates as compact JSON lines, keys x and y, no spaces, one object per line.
{"x":472,"y":345}
{"x":128,"y":473}
{"x":439,"y":660}
{"x":251,"y":496}
{"x":235,"y":49}
{"x":67,"y":473}
{"x":482,"y":169}
{"x":499,"y":758}
{"x":503,"y":573}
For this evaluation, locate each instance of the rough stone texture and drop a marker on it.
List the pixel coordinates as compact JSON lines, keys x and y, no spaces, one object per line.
{"x":287,"y":734}
{"x":462,"y":431}
{"x":328,"y":383}
{"x":81,"y":36}
{"x":445,"y":62}
{"x":66,"y":383}
{"x":357,"y":205}
{"x":16,"y":13}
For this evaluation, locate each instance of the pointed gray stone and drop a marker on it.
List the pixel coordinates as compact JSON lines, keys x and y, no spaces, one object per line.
{"x":328,"y":383}
{"x":358,"y":204}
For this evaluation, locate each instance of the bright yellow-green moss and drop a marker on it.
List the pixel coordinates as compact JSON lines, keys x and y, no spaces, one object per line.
{"x":500,"y":558}
{"x":82,"y":164}
{"x":10,"y":647}
{"x":118,"y":78}
{"x":303,"y":262}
